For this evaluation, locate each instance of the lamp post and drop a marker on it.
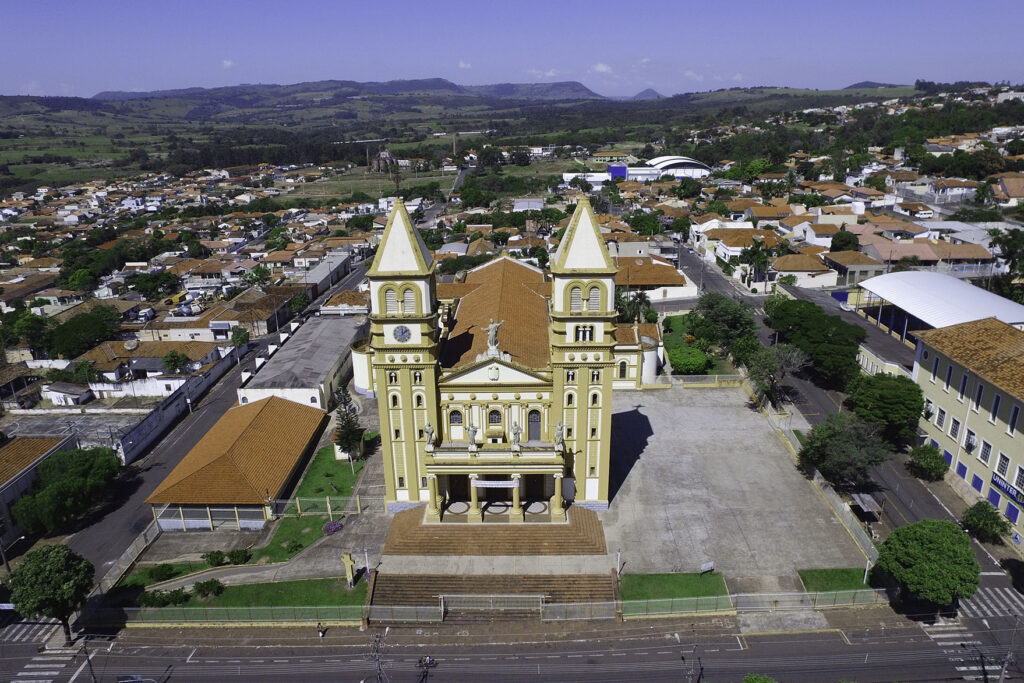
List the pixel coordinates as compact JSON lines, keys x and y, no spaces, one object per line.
{"x":3,"y":553}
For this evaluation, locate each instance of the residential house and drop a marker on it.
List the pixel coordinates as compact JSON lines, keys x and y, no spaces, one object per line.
{"x":852,"y":266}
{"x":914,"y":209}
{"x":19,"y":458}
{"x":808,"y":270}
{"x":653,"y":275}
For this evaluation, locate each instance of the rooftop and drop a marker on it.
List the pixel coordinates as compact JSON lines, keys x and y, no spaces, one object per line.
{"x":20,"y":452}
{"x":989,"y":347}
{"x":309,"y":354}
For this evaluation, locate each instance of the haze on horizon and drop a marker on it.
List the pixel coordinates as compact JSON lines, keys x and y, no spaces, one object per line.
{"x":69,"y":48}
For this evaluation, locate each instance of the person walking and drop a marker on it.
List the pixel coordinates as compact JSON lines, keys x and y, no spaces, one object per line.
{"x":320,"y":629}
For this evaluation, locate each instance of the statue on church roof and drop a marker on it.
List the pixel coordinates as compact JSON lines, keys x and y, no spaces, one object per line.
{"x":492,"y":334}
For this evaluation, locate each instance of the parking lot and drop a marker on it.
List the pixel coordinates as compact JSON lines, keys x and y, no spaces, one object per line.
{"x":702,"y":477}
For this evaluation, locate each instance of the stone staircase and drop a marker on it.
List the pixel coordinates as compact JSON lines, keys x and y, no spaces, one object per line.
{"x":583,"y":534}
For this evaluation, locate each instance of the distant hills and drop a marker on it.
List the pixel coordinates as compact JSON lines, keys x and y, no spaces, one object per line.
{"x":871,"y":84}
{"x":319,"y":91}
{"x":648,"y":94}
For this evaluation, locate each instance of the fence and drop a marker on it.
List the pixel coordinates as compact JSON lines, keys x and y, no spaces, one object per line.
{"x":127,"y":558}
{"x":331,"y":506}
{"x":849,"y":520}
{"x":716,"y":381}
{"x":251,"y":615}
{"x":492,"y":603}
{"x":411,"y":613}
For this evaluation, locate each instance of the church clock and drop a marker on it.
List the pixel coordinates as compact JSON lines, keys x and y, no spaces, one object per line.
{"x":402,"y":333}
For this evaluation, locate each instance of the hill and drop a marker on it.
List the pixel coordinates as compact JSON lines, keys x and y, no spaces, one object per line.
{"x":563,"y":90}
{"x":648,"y":94}
{"x":871,"y":84}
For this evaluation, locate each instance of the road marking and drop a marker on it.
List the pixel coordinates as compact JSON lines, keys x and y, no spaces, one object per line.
{"x":51,"y":672}
{"x":993,"y":573}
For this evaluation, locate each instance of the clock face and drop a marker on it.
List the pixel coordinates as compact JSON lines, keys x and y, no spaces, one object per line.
{"x":402,"y":333}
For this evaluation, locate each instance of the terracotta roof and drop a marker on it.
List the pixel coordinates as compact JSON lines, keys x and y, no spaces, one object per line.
{"x":805,"y":263}
{"x":647,"y":272}
{"x":823,"y":229}
{"x":348,"y":297}
{"x":122,"y":306}
{"x":742,"y":237}
{"x":21,"y":452}
{"x":624,"y":333}
{"x":245,"y":455}
{"x":989,"y":347}
{"x":508,"y":291}
{"x":851,"y":258}
{"x":110,"y":354}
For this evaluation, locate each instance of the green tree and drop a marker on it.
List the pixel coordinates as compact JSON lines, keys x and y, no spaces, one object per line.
{"x":757,"y":256}
{"x":986,"y":522}
{"x":84,"y":331}
{"x":927,"y":462}
{"x":259,"y":276}
{"x":768,"y":367}
{"x":894,"y":403}
{"x":842,"y":448}
{"x":681,"y":226}
{"x":687,"y":188}
{"x":175,"y":361}
{"x":830,"y":342}
{"x":758,"y":678}
{"x":347,"y":432}
{"x":153,"y":285}
{"x":32,"y":329}
{"x":82,"y":281}
{"x":932,"y":560}
{"x":845,"y":241}
{"x":53,"y":581}
{"x":687,"y":360}
{"x":721,"y":320}
{"x":298,"y":303}
{"x":239,"y":336}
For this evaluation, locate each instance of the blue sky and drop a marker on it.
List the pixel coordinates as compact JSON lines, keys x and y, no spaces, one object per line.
{"x":63,"y":47}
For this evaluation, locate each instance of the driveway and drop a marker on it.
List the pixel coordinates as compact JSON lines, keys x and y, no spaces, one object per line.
{"x":702,"y":477}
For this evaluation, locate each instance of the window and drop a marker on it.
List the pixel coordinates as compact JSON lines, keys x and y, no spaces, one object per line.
{"x":940,"y":418}
{"x":1018,"y":480}
{"x":935,"y":368}
{"x":970,"y":440}
{"x":568,"y":399}
{"x":394,"y":400}
{"x":423,"y":482}
{"x":167,"y":387}
{"x":455,"y":418}
{"x":985,"y":454}
{"x":594,"y":398}
{"x":390,"y":302}
{"x":978,"y":394}
{"x":494,"y":417}
{"x":623,"y":367}
{"x":949,"y":376}
{"x":575,"y":299}
{"x":419,"y":401}
{"x":312,"y":399}
{"x":398,"y":433}
{"x":1003,"y":465}
{"x":401,"y":482}
{"x":570,"y":376}
{"x":392,"y":378}
{"x":963,"y":387}
{"x":584,"y":333}
{"x":594,"y":299}
{"x":408,"y":301}
{"x":417,"y":377}
{"x":593,"y":432}
{"x":595,"y":375}
{"x":568,"y":432}
{"x":996,"y":401}
{"x":954,"y":429}
{"x":1011,"y":425}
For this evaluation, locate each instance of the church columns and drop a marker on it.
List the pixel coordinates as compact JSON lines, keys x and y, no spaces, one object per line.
{"x":516,"y":513}
{"x":433,"y":508}
{"x":475,"y":513}
{"x":555,"y":504}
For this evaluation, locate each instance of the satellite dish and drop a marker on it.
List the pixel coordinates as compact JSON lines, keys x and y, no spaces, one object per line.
{"x":131,"y":345}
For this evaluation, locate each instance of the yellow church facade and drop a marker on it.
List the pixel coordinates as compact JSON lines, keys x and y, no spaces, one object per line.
{"x":495,"y":393}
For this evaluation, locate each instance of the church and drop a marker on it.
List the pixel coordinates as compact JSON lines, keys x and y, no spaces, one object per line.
{"x":495,"y":391}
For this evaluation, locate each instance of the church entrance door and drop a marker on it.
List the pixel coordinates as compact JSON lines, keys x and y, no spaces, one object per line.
{"x":533,"y":426}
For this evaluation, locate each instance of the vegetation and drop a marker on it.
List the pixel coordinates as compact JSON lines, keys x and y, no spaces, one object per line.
{"x":931,"y":560}
{"x":986,"y":522}
{"x":68,"y":484}
{"x":726,"y":323}
{"x":348,"y":434}
{"x":661,"y":586}
{"x":822,"y":580}
{"x":830,"y":343}
{"x":82,"y":332}
{"x":894,"y":403}
{"x":927,"y":462}
{"x":53,"y":581}
{"x":842,"y":448}
{"x":309,"y":592}
{"x":768,"y":367}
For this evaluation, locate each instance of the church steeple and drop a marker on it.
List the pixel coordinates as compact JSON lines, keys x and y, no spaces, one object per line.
{"x":401,"y":251}
{"x":582,"y":249}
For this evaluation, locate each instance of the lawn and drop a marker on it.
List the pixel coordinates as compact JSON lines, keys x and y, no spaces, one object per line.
{"x":800,"y":437}
{"x":308,"y":593}
{"x":326,"y":476}
{"x":676,"y":338}
{"x":140,"y":576}
{"x":662,"y":586}
{"x":820,"y":580}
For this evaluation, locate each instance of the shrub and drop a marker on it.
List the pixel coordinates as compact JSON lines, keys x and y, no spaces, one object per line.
{"x":205,"y":589}
{"x":214,"y":558}
{"x":293,"y":546}
{"x":927,"y":462}
{"x":332,"y":527}
{"x":688,"y":360}
{"x":178,"y":596}
{"x":986,"y":522}
{"x":239,"y":555}
{"x":161,"y":572}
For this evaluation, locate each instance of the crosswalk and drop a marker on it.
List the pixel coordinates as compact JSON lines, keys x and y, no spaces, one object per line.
{"x":14,"y":629}
{"x":993,"y":602}
{"x":963,"y":650}
{"x":44,"y":668}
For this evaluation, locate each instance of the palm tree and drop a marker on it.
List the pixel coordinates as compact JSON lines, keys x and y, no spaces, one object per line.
{"x":757,"y":256}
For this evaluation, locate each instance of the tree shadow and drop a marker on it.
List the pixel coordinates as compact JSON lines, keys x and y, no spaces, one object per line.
{"x":631,"y":430}
{"x":119,"y":491}
{"x":1016,"y":570}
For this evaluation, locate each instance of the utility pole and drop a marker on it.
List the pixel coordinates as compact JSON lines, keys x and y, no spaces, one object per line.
{"x":1009,"y":650}
{"x":377,"y":655}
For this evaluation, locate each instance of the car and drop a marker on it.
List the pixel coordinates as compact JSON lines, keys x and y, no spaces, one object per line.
{"x":689,"y":251}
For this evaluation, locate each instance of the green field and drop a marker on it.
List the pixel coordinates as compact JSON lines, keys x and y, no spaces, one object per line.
{"x":821,"y":580}
{"x":663,"y":586}
{"x":308,"y":593}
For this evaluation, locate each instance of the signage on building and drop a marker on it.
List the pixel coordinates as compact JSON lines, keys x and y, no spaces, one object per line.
{"x":493,"y":484}
{"x":1005,"y":487}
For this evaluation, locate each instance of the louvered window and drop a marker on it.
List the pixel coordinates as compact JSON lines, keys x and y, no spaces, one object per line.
{"x":594,"y":302}
{"x":408,"y":301}
{"x":576,"y":299}
{"x":390,"y":302}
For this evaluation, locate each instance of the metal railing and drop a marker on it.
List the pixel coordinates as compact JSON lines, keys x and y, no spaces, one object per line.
{"x":708,"y":380}
{"x":174,"y":615}
{"x":411,"y":613}
{"x":331,"y":506}
{"x":492,"y":603}
{"x":127,"y":558}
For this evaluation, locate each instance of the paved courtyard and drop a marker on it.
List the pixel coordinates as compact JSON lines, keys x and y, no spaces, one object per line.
{"x":702,"y":477}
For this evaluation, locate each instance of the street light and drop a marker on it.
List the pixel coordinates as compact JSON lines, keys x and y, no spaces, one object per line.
{"x":3,"y":553}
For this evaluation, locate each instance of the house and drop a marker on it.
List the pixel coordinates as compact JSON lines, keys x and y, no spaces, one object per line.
{"x":970,"y":375}
{"x":730,"y":242}
{"x":820,"y":234}
{"x":19,"y":458}
{"x":852,"y":266}
{"x":66,"y":394}
{"x":1008,"y":190}
{"x":246,"y":460}
{"x":134,"y":368}
{"x":347,"y":302}
{"x":915,"y":209}
{"x":254,"y":311}
{"x":655,"y":276}
{"x":808,"y":270}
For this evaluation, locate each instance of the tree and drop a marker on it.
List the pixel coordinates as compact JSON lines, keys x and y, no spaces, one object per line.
{"x":68,"y":483}
{"x":768,"y":367}
{"x":239,"y":336}
{"x":347,"y":432}
{"x":259,"y":276}
{"x":757,"y":256}
{"x":894,"y":403}
{"x":842,"y":448}
{"x":845,"y":241}
{"x":31,"y":329}
{"x":175,"y":361}
{"x":83,"y":331}
{"x":927,"y":462}
{"x":687,"y":188}
{"x":932,"y":560}
{"x":82,"y":281}
{"x":152,"y":285}
{"x":681,"y":226}
{"x":986,"y":522}
{"x":830,"y":342}
{"x":53,"y":581}
{"x":298,"y":303}
{"x":721,"y":320}
{"x":687,"y":360}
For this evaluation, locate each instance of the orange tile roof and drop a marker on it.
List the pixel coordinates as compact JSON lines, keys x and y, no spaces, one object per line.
{"x":988,"y":347}
{"x":21,"y":452}
{"x":646,"y":272}
{"x":852,"y":258}
{"x":804,"y":263}
{"x":245,"y":455}
{"x":508,"y":291}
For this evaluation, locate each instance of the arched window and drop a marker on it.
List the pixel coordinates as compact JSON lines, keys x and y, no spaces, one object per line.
{"x":419,"y":401}
{"x":245,"y":399}
{"x":494,"y":417}
{"x":390,"y":302}
{"x":394,"y":400}
{"x":594,"y":399}
{"x":594,"y":299}
{"x":455,"y":418}
{"x":568,"y":399}
{"x":417,"y":377}
{"x":622,"y":369}
{"x":595,"y":375}
{"x":392,"y":378}
{"x":312,"y":399}
{"x":570,"y":376}
{"x":575,"y":299}
{"x":408,"y":301}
